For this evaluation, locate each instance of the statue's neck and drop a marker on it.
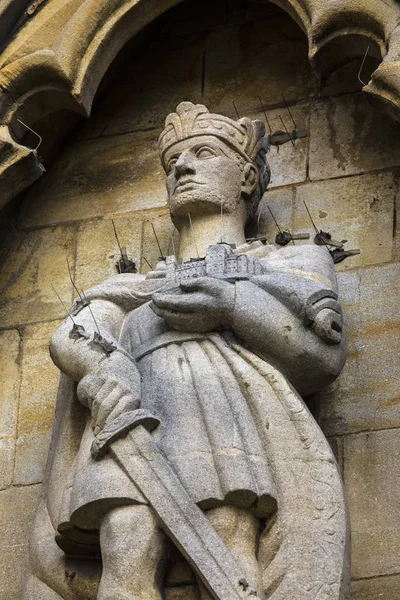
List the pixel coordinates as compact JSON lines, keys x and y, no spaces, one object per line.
{"x":205,"y":230}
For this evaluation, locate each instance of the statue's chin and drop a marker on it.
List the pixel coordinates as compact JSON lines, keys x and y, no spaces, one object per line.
{"x":194,"y":203}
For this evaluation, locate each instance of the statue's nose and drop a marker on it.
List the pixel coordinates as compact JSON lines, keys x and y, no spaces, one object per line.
{"x":184,"y":164}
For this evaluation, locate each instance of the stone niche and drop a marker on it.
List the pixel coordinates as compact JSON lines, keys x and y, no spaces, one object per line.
{"x":106,"y":170}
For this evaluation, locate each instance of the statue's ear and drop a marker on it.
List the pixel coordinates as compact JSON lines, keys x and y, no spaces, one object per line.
{"x":250,"y":179}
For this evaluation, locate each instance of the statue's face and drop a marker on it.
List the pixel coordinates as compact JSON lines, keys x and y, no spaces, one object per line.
{"x":202,"y":172}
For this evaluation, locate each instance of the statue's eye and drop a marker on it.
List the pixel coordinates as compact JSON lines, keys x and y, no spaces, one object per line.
{"x":171,"y":164}
{"x":205,"y":152}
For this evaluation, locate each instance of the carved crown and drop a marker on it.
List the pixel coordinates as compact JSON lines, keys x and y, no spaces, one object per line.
{"x":245,"y":136}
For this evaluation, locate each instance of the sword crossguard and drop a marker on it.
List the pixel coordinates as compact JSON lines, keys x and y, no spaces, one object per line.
{"x":119,"y":427}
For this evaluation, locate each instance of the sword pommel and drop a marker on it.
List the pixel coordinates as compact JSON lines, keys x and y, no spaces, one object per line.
{"x":119,"y":427}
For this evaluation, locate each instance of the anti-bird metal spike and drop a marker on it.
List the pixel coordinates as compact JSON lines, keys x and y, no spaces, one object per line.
{"x":72,"y":281}
{"x":315,"y":227}
{"x":119,"y":245}
{"x":286,"y":129}
{"x":158,"y":243}
{"x":265,"y":115}
{"x":289,"y":111}
{"x":62,"y":304}
{"x":275,"y":221}
{"x":311,"y":219}
{"x":147,"y":262}
{"x":236,"y":110}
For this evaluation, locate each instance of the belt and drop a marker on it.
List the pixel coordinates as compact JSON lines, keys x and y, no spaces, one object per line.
{"x":170,"y":337}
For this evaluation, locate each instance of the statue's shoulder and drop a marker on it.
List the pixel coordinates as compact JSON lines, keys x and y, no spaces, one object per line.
{"x":308,"y":260}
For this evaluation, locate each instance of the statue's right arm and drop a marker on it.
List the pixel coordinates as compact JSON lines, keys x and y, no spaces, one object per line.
{"x":109,"y":382}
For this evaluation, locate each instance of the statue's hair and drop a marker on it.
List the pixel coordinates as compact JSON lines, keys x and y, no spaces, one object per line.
{"x":245,"y":136}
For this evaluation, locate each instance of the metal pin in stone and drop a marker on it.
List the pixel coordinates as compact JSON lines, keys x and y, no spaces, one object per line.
{"x":362,"y":66}
{"x":34,"y":132}
{"x":119,"y":245}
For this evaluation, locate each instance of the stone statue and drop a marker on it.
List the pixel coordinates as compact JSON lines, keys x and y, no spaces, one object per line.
{"x":190,"y":431}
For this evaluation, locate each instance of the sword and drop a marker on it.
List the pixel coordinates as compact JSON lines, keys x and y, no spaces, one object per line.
{"x":183,"y":521}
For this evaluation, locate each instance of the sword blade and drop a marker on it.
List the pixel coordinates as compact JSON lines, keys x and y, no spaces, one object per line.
{"x":183,"y":521}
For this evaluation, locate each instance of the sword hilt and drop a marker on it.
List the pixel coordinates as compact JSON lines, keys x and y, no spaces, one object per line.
{"x":119,"y":427}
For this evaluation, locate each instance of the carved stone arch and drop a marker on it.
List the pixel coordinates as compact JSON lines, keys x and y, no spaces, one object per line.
{"x":60,"y":51}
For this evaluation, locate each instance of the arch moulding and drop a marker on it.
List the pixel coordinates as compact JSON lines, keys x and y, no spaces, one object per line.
{"x":56,"y":53}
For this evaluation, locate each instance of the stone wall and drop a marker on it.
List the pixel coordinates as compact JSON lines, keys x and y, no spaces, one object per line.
{"x":346,"y":171}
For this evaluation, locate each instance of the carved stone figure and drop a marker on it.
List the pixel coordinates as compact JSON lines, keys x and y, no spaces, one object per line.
{"x":190,"y":431}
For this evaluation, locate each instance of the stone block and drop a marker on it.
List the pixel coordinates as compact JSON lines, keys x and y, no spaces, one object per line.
{"x":371,"y":476}
{"x":264,"y":58}
{"x":7,"y":452}
{"x":97,"y":248}
{"x":366,"y":394}
{"x":14,"y":566}
{"x":280,"y":201}
{"x":17,"y":508}
{"x":31,"y":457}
{"x":9,"y":381}
{"x":158,"y":80}
{"x":358,"y":209}
{"x":347,"y":137}
{"x":164,"y":228}
{"x":380,"y":588}
{"x":36,"y":261}
{"x":98,"y":178}
{"x":39,"y":381}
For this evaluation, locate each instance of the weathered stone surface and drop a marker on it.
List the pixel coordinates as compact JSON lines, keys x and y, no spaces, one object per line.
{"x":137,"y":103}
{"x":30,"y":457}
{"x":100,"y":177}
{"x":9,"y":381}
{"x":371,"y":475}
{"x":359,"y":209}
{"x":36,"y":261}
{"x":37,"y":400}
{"x":7,"y":451}
{"x":380,"y":588}
{"x":241,"y":66}
{"x":17,"y":507}
{"x":97,"y":248}
{"x":366,"y":394}
{"x":347,"y":137}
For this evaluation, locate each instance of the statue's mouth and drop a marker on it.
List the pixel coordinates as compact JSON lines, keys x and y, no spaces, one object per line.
{"x":186,"y":184}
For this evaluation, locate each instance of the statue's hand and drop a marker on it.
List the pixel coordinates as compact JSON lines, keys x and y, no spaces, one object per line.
{"x":199,"y":305}
{"x":108,"y":395}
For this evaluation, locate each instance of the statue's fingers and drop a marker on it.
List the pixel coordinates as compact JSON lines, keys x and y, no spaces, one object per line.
{"x":88,"y":388}
{"x":107,"y":407}
{"x":199,"y":283}
{"x":125,"y":404}
{"x":181,"y":303}
{"x":109,"y":391}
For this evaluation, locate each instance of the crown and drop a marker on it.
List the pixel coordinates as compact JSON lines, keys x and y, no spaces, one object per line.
{"x":245,"y":136}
